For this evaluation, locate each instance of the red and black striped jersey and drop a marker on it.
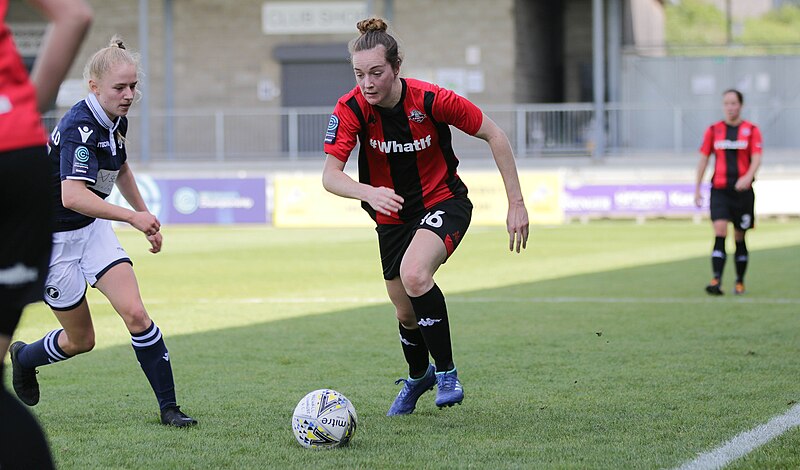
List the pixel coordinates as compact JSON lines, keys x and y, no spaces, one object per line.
{"x":407,"y":148}
{"x":20,"y":121}
{"x":733,"y":148}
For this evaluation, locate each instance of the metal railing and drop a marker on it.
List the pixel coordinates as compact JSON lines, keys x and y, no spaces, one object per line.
{"x":252,"y":135}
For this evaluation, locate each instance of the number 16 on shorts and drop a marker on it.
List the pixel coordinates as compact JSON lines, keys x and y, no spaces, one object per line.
{"x":432,"y":219}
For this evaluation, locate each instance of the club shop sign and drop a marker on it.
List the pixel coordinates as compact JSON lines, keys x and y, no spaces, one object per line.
{"x":311,"y":17}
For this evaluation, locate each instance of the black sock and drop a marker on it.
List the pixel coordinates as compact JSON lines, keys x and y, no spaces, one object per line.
{"x":154,"y":359}
{"x":415,"y":351}
{"x":431,"y":312}
{"x":718,"y":257}
{"x":741,"y":258}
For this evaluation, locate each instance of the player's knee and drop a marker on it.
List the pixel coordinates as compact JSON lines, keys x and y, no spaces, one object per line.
{"x":415,"y":281}
{"x":136,"y":318}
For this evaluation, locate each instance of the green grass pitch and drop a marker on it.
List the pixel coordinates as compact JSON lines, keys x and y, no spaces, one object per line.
{"x":596,"y":348}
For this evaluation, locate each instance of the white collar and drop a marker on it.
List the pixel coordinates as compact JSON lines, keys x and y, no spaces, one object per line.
{"x":102,"y":118}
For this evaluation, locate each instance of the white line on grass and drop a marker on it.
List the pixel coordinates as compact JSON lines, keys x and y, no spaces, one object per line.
{"x":745,"y":442}
{"x":458,"y":299}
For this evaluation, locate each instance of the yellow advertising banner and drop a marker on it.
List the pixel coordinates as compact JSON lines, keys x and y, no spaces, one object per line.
{"x":541,"y":190}
{"x":301,"y":201}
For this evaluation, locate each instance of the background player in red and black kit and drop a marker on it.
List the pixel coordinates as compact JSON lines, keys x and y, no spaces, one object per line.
{"x":409,"y":186}
{"x":736,"y":145}
{"x":26,"y":199}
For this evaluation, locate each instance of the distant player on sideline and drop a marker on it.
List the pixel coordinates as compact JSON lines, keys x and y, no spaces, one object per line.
{"x":736,"y":145}
{"x":409,"y":186}
{"x":26,"y":198}
{"x":87,"y":154}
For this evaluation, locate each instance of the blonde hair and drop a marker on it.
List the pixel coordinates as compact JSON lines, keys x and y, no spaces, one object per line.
{"x":373,"y":34}
{"x":113,"y":54}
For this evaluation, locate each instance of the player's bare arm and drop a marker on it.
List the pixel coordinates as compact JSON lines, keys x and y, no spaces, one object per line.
{"x":517,"y":222}
{"x":69,"y":22}
{"x":144,"y":220}
{"x":746,"y":180}
{"x":76,"y":196}
{"x":701,"y":170}
{"x":336,"y":181}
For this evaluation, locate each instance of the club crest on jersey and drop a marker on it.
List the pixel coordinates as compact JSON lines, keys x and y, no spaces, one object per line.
{"x":333,"y":127}
{"x":416,"y":116}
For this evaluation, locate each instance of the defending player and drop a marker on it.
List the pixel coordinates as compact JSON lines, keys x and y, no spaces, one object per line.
{"x":409,"y":186}
{"x":88,"y":157}
{"x":25,"y":194}
{"x":736,"y":145}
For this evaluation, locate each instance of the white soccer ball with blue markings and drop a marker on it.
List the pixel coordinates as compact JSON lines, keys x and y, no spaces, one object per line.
{"x":324,"y":418}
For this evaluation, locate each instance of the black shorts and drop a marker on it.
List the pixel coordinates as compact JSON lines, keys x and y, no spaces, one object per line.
{"x":25,"y":192}
{"x":449,"y":220}
{"x":736,"y":206}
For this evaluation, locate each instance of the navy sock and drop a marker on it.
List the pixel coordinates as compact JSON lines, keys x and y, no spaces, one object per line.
{"x":42,"y":352}
{"x":431,"y":312}
{"x":154,"y":359}
{"x":741,"y":258}
{"x":718,"y":257}
{"x":415,"y":351}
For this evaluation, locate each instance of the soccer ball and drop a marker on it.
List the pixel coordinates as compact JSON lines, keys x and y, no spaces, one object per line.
{"x":324,"y":418}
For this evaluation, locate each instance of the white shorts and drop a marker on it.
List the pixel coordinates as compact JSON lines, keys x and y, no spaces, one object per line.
{"x":80,"y":256}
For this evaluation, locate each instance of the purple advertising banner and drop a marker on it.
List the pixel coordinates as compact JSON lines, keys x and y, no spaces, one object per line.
{"x":639,"y":199}
{"x":214,"y":201}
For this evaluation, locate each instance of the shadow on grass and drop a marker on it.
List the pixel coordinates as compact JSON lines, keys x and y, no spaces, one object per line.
{"x":549,"y":381}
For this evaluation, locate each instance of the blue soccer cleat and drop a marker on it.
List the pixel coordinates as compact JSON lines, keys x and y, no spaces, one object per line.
{"x":449,"y":391}
{"x":406,"y":400}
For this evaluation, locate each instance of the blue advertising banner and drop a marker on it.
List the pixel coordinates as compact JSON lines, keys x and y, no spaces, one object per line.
{"x":215,"y":201}
{"x":638,"y":199}
{"x":204,"y":200}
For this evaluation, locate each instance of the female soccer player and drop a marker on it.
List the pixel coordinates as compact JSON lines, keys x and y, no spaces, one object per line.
{"x":25,"y":194}
{"x":409,"y":186}
{"x":736,"y":145}
{"x":87,"y":153}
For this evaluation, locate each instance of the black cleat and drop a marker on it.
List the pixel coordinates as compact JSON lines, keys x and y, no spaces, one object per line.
{"x":713,"y":288}
{"x":173,"y":416}
{"x":25,"y":384}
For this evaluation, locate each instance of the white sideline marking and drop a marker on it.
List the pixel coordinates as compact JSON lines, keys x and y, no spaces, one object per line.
{"x":745,"y":442}
{"x":471,"y":300}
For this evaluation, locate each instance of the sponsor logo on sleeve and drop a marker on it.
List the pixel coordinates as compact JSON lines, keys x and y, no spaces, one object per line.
{"x":333,"y":127}
{"x":85,"y":133}
{"x":81,"y":157}
{"x":82,"y":154}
